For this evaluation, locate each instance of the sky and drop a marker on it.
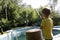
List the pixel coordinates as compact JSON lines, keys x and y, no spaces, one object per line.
{"x":58,"y":5}
{"x":38,"y":3}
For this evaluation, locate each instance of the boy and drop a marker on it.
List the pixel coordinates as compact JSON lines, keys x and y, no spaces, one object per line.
{"x":47,"y":24}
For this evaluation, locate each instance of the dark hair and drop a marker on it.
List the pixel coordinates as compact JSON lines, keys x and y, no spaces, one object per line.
{"x":46,"y":11}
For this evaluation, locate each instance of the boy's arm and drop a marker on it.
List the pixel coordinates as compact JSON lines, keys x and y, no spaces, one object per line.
{"x":41,"y":27}
{"x":42,"y":24}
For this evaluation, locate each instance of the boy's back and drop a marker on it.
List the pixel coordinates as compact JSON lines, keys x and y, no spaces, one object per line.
{"x":47,"y":25}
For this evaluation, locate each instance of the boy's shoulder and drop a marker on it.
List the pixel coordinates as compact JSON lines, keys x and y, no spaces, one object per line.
{"x":47,"y":19}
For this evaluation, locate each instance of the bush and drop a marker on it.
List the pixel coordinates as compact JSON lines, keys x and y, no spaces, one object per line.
{"x":4,"y":23}
{"x":56,"y":23}
{"x":59,"y":23}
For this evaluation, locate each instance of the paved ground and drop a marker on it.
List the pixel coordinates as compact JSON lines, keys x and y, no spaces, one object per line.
{"x":57,"y":37}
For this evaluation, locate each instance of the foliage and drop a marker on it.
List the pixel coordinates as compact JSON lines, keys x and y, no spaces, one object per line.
{"x":4,"y":22}
{"x":59,"y":23}
{"x":18,"y":15}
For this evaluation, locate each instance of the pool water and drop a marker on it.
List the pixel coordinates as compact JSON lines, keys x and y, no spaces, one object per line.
{"x":20,"y":33}
{"x":55,"y":31}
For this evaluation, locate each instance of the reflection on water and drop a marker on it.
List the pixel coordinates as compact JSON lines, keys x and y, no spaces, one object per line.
{"x":20,"y":34}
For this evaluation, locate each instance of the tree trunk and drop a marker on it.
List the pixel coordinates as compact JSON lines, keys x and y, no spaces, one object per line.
{"x":1,"y":31}
{"x":33,"y":34}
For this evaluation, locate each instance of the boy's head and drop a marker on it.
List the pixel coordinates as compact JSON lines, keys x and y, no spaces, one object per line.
{"x":46,"y":12}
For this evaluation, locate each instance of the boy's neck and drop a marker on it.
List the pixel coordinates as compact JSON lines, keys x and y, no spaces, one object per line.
{"x":46,"y":17}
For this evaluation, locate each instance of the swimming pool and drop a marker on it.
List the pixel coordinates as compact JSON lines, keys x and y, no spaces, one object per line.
{"x":20,"y":33}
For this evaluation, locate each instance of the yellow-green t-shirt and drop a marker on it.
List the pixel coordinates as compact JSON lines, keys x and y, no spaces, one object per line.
{"x":47,"y":25}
